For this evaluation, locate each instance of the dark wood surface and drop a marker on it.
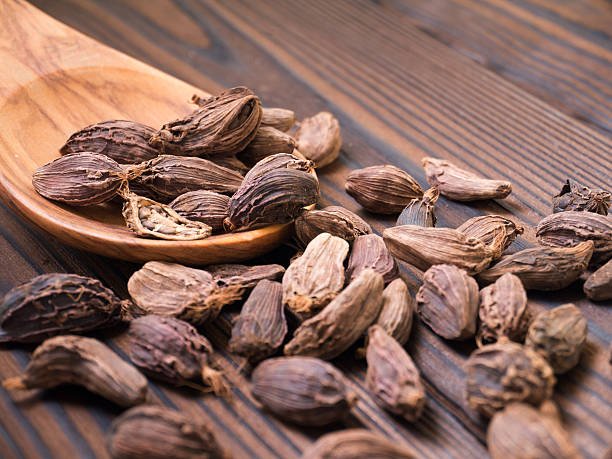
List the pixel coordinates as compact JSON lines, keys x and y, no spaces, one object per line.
{"x":517,"y":90}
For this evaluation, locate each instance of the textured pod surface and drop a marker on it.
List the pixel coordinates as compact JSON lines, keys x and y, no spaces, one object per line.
{"x":334,"y":220}
{"x":316,"y":277}
{"x":279,"y":118}
{"x":521,"y":431}
{"x":278,"y":196}
{"x":598,"y":286}
{"x":278,"y":161}
{"x":303,"y":390}
{"x":392,"y":377}
{"x":223,"y":125}
{"x":503,"y":311}
{"x":86,"y":362}
{"x":448,"y":302}
{"x":559,"y":335}
{"x":495,"y":231}
{"x":543,"y":268}
{"x":126,"y":142}
{"x":53,"y":304}
{"x":460,"y":185}
{"x":230,"y":162}
{"x":424,"y":247}
{"x":261,"y":326}
{"x":357,"y":444}
{"x":574,"y":196}
{"x":203,"y":206}
{"x":267,"y":141}
{"x":382,"y":189}
{"x":397,"y":311}
{"x":243,"y":276}
{"x":157,"y":432}
{"x":79,"y":179}
{"x":420,"y":211}
{"x":370,"y":252}
{"x":333,"y":330}
{"x":319,"y":139}
{"x":506,"y":372}
{"x":148,"y":218}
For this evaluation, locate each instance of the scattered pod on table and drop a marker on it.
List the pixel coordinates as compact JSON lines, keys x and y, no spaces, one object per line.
{"x":86,"y":362}
{"x":319,"y":139}
{"x":279,"y":118}
{"x":420,"y":211}
{"x":397,"y":311}
{"x":267,"y":141}
{"x":279,"y":161}
{"x":243,"y":276}
{"x":203,"y":206}
{"x":370,"y":252}
{"x":334,"y":220}
{"x":598,"y":286}
{"x":495,"y":231}
{"x":574,"y":196}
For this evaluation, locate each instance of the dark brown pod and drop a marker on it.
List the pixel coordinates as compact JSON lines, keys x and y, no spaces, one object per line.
{"x":267,"y":141}
{"x":397,"y":311}
{"x":420,"y":211}
{"x":574,"y":196}
{"x":230,"y":162}
{"x":203,"y":206}
{"x":127,"y":142}
{"x":357,"y":444}
{"x":303,"y":390}
{"x":370,"y":251}
{"x":319,"y":138}
{"x":279,"y":118}
{"x":334,"y":220}
{"x":495,"y":231}
{"x":243,"y":276}
{"x":279,"y":161}
{"x":54,"y":304}
{"x":598,"y":286}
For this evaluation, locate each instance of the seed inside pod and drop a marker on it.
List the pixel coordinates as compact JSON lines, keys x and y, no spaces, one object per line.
{"x":495,"y":231}
{"x":420,"y":211}
{"x":203,"y":206}
{"x":303,"y":390}
{"x":370,"y":252}
{"x":574,"y":196}
{"x":356,"y":443}
{"x":334,"y":220}
{"x":279,"y":161}
{"x":598,"y":287}
{"x":267,"y":141}
{"x":279,"y":118}
{"x":319,"y":138}
{"x":86,"y":362}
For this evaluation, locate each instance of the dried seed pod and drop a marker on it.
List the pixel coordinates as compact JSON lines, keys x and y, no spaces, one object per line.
{"x":420,"y":211}
{"x":303,"y":390}
{"x":392,"y":377}
{"x":86,"y":362}
{"x":126,"y":142}
{"x":370,"y":252}
{"x":448,"y":302}
{"x":520,"y":431}
{"x":356,"y":443}
{"x":333,"y":330}
{"x":167,"y":177}
{"x":559,"y":335}
{"x":157,"y":432}
{"x":279,"y":118}
{"x":173,"y":351}
{"x":506,"y":372}
{"x":279,"y":161}
{"x":54,"y":304}
{"x":543,"y":268}
{"x":245,"y":277}
{"x":79,"y":179}
{"x":334,"y":220}
{"x":460,"y":185}
{"x":566,"y":229}
{"x":598,"y":286}
{"x":261,"y":326}
{"x":316,"y":277}
{"x":319,"y":138}
{"x":203,"y":206}
{"x":222,"y":125}
{"x":276,"y":197}
{"x":424,"y":247}
{"x":267,"y":141}
{"x":503,"y":311}
{"x":383,"y":189}
{"x":230,"y":162}
{"x":495,"y":231}
{"x":397,"y":310}
{"x":574,"y":196}
{"x":149,"y":218}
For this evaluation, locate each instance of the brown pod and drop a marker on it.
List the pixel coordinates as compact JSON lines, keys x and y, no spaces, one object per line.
{"x":543,"y":268}
{"x":424,"y":247}
{"x":54,"y":304}
{"x":574,"y":196}
{"x":230,"y":162}
{"x":460,"y":185}
{"x":420,"y":211}
{"x":261,"y":327}
{"x":278,"y":161}
{"x":156,"y":432}
{"x":127,"y":142}
{"x":521,"y":431}
{"x":303,"y":390}
{"x":267,"y":141}
{"x":559,"y":335}
{"x":397,"y":311}
{"x":79,"y":179}
{"x":495,"y":231}
{"x":503,"y":311}
{"x":506,"y":372}
{"x":370,"y":252}
{"x":243,"y":276}
{"x":279,"y":118}
{"x":222,"y":125}
{"x":203,"y":206}
{"x":334,"y":220}
{"x":383,"y":189}
{"x":86,"y":362}
{"x":598,"y":286}
{"x":392,"y":377}
{"x":357,"y":443}
{"x":319,"y":138}
{"x":448,"y":302}
{"x":343,"y":321}
{"x":173,"y":351}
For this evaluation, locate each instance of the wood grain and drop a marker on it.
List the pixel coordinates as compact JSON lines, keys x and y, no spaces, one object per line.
{"x":400,"y":94}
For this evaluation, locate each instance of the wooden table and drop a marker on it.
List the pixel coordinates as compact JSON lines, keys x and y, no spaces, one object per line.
{"x":517,"y":90}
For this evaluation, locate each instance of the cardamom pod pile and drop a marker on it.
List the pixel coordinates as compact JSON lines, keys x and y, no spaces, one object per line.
{"x":232,"y":165}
